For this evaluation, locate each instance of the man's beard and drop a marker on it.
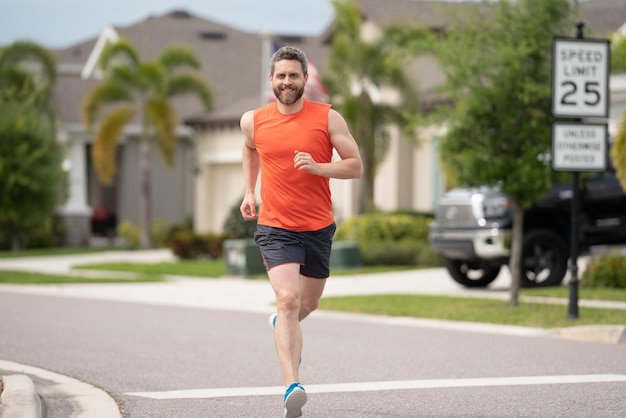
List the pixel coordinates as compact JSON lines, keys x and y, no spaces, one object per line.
{"x":297,"y":93}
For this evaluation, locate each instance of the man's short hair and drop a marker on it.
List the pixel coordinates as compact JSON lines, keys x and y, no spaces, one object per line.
{"x":290,"y":53}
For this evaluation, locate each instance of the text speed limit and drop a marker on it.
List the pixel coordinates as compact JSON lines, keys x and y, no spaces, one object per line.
{"x":580,"y":77}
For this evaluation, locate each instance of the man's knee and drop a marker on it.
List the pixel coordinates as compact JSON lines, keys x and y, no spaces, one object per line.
{"x":309,"y":305}
{"x":288,"y":300}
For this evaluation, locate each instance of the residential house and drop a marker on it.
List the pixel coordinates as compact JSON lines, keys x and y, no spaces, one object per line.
{"x":231,"y":62}
{"x":207,"y":180}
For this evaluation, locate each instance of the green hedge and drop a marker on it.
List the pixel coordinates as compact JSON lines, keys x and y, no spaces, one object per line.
{"x":384,"y":227}
{"x":607,"y":270}
{"x":187,"y":245}
{"x":391,"y":239}
{"x":47,"y":234}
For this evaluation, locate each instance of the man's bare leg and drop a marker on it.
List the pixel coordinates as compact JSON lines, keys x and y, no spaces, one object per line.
{"x":288,"y":335}
{"x":285,"y":280}
{"x":311,"y":290}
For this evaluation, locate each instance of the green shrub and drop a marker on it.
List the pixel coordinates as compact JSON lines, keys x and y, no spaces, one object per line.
{"x":235,"y":226}
{"x":390,"y":239}
{"x":212,"y":245}
{"x":427,"y":257}
{"x":181,"y":242}
{"x":129,"y":232}
{"x":389,"y":253}
{"x":607,"y":270}
{"x":160,"y":232}
{"x":399,"y":253}
{"x":44,"y":234}
{"x":187,"y":245}
{"x":383,"y":227}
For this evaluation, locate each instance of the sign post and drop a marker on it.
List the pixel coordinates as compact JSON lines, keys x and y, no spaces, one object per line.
{"x":580,"y":89}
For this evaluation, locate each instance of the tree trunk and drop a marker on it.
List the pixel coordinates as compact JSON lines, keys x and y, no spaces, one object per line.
{"x":365,"y":139}
{"x":16,"y":243}
{"x":144,"y":206}
{"x":515,"y":262}
{"x":365,"y":186}
{"x":357,"y":197}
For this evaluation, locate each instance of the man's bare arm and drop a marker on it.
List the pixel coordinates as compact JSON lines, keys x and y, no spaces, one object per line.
{"x":350,"y":165}
{"x":251,"y":167}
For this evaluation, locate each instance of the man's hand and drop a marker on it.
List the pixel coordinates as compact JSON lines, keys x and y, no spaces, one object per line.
{"x":248,"y":207}
{"x":304,"y":161}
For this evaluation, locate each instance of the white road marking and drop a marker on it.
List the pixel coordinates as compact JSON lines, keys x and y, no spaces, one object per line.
{"x":378,"y":386}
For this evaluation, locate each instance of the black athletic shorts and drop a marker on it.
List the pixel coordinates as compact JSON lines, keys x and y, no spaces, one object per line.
{"x":310,"y":249}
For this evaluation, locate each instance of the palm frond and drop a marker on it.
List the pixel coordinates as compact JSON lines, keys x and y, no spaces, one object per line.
{"x":105,"y":143}
{"x":107,"y":92}
{"x":126,"y":76}
{"x":191,"y":83}
{"x":618,"y":53}
{"x":25,"y":58}
{"x":120,"y":53}
{"x":175,"y":56}
{"x":153,"y":78}
{"x":22,"y":51}
{"x":162,"y":116}
{"x":16,"y":83}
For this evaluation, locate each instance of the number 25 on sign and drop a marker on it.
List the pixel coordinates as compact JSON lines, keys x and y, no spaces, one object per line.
{"x":580,"y":77}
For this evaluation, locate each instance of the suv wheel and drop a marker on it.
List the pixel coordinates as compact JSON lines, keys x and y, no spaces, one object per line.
{"x":544,"y":259}
{"x":472,"y":273}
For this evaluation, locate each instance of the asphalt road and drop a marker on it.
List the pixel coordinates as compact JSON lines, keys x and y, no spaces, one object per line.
{"x":157,"y":360}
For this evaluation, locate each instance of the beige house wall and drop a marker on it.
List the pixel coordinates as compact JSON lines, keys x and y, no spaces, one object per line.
{"x":219,"y":183}
{"x":425,"y":191}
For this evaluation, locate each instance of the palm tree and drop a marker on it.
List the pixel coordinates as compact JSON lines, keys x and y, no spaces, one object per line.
{"x":31,"y":178}
{"x":140,"y":90}
{"x":357,"y":68}
{"x":28,"y":69}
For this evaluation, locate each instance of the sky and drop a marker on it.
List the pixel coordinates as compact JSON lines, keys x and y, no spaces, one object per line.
{"x":61,"y":23}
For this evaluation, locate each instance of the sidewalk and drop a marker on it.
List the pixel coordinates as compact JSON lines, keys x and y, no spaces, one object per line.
{"x":236,"y":293}
{"x":241,"y":294}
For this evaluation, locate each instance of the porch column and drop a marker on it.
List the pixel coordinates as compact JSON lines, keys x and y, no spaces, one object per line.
{"x":76,"y":212}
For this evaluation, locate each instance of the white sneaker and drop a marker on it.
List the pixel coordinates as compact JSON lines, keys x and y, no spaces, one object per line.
{"x":295,"y":398}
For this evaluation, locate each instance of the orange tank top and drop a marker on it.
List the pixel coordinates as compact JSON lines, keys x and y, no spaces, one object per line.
{"x":291,"y":199}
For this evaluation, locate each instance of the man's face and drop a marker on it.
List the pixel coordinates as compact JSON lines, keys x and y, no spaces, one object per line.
{"x":288,"y":81}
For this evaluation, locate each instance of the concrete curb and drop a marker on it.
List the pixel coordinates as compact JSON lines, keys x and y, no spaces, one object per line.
{"x":85,"y":400}
{"x":611,"y":334}
{"x":19,"y":398}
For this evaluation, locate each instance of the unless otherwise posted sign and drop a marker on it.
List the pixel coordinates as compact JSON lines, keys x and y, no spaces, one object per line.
{"x":579,"y":146}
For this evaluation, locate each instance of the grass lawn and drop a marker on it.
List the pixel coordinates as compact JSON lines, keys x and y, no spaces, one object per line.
{"x":195,"y":268}
{"x":21,"y":277}
{"x":474,"y":310}
{"x":583,"y":293}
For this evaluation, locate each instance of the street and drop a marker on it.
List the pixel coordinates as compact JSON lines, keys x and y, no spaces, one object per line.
{"x":170,"y":360}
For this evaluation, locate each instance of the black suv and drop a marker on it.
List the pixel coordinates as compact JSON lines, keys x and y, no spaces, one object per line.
{"x":472,"y":230}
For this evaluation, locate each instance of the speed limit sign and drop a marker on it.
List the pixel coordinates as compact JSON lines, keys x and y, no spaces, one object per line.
{"x":580,"y":78}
